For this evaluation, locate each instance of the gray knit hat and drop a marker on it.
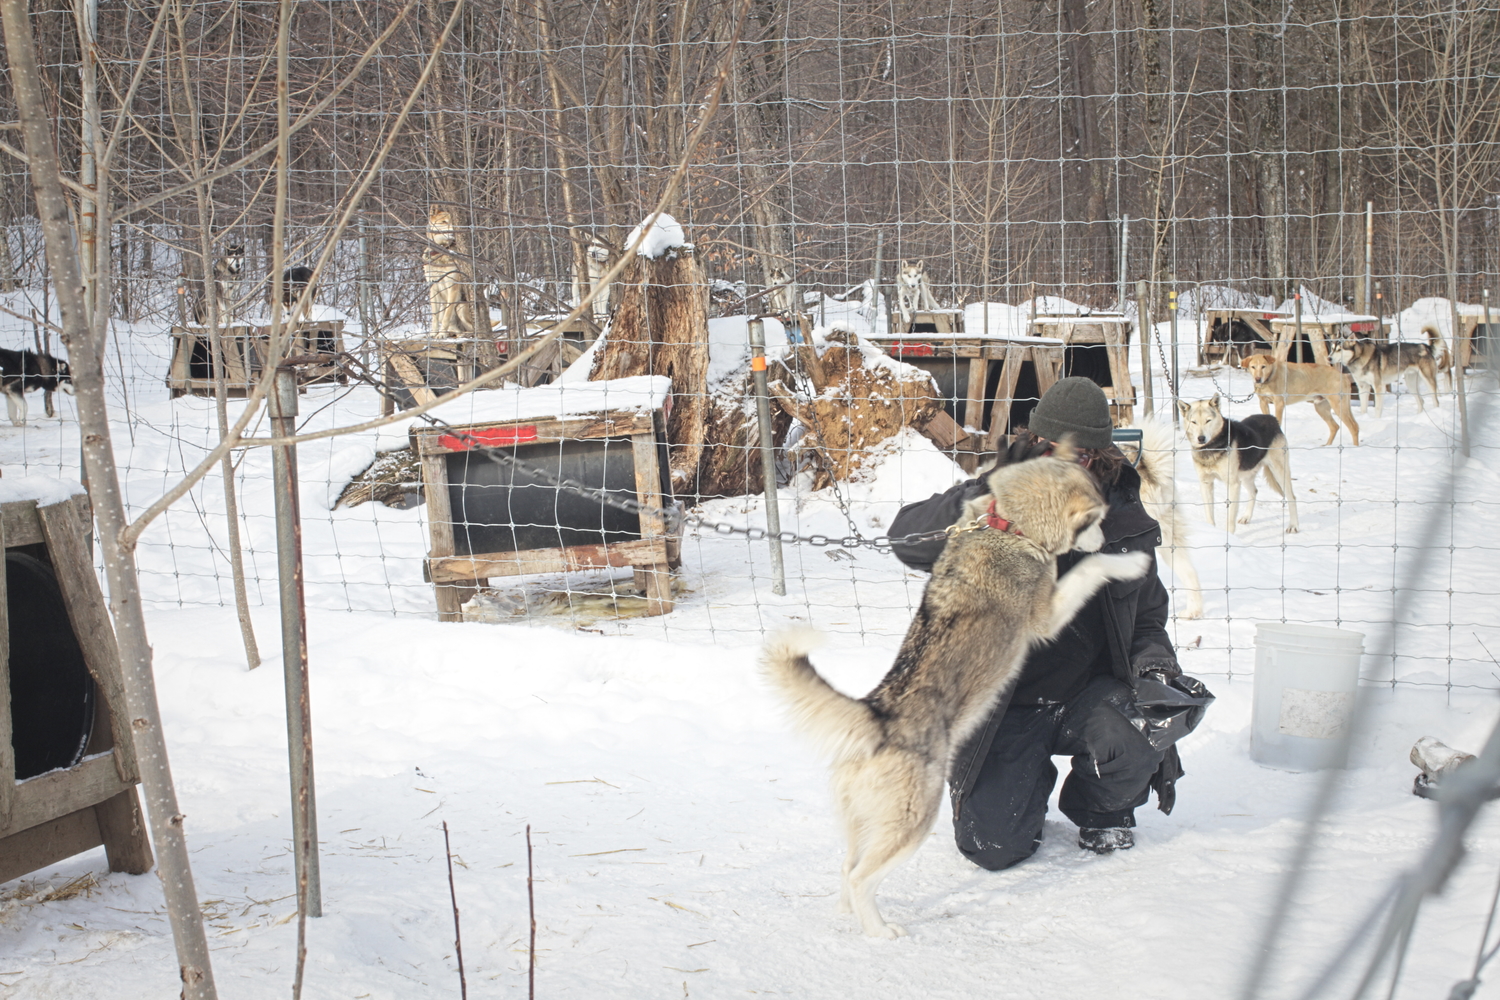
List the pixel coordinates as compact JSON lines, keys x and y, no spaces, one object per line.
{"x":1074,"y":406}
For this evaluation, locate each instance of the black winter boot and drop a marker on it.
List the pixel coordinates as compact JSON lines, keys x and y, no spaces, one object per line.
{"x":1106,"y":839}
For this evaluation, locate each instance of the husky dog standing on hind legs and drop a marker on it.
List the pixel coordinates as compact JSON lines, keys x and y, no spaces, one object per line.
{"x":994,"y":594}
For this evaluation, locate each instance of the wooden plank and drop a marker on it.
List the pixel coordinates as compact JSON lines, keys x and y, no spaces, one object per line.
{"x":1048,"y":362}
{"x":943,"y":431}
{"x":1005,"y":395}
{"x":440,"y":530}
{"x":973,"y":411}
{"x":90,"y":620}
{"x":123,"y":831}
{"x":47,"y":843}
{"x":647,"y":483}
{"x":412,"y":377}
{"x":57,"y":793}
{"x":637,"y":552}
{"x":543,"y":430}
{"x":1119,"y":372}
{"x":21,"y":524}
{"x":7,"y":751}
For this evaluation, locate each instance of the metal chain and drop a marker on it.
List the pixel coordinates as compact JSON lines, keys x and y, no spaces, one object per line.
{"x":675,"y":516}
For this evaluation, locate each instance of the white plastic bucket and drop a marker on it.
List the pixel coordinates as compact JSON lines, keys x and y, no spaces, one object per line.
{"x":1306,"y":679}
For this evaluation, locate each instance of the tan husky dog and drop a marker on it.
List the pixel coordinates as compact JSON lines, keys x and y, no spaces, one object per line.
{"x":446,"y":298}
{"x":1280,"y":383}
{"x":994,"y":594}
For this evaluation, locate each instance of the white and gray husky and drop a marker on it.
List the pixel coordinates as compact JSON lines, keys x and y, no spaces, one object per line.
{"x":1233,"y":451}
{"x":994,"y":594}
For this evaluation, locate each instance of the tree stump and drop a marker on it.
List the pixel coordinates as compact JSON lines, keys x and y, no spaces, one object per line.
{"x":858,"y":398}
{"x":730,"y":465}
{"x":660,"y":327}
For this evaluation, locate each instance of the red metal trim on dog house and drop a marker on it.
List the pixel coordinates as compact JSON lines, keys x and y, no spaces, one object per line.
{"x":915,"y":350}
{"x":491,"y":437}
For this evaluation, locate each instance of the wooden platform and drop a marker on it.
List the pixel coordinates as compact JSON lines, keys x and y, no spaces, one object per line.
{"x":457,"y":571}
{"x":245,"y":349}
{"x":418,"y":371}
{"x":1259,"y":320}
{"x":64,"y":812}
{"x":939,"y":322}
{"x":1320,"y":332}
{"x":1109,"y":329}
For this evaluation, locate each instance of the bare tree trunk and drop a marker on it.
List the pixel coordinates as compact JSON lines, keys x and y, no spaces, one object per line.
{"x":86,"y":354}
{"x":1270,"y":149}
{"x":196,"y":157}
{"x":1157,"y":138}
{"x":1081,"y":54}
{"x":760,"y":125}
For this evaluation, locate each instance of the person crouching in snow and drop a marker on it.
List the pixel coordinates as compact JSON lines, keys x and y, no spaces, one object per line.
{"x":1108,"y":691}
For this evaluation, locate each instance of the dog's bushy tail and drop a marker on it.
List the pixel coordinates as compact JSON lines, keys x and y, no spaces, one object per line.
{"x":1158,"y":463}
{"x":843,"y":727}
{"x":1438,"y":346}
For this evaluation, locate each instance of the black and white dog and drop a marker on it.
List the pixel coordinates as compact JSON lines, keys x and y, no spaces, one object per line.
{"x":294,"y":281}
{"x":21,"y":371}
{"x":1233,"y":452}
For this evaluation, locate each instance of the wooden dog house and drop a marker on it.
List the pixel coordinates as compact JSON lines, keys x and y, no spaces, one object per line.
{"x":1084,"y":339}
{"x":487,"y":520}
{"x":245,"y":350}
{"x":67,"y":763}
{"x":1320,"y":331}
{"x":1258,"y":320}
{"x":987,"y":384}
{"x":192,"y":369}
{"x":418,"y":371}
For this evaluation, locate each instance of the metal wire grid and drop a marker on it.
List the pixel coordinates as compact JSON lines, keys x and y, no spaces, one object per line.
{"x":955,"y":132}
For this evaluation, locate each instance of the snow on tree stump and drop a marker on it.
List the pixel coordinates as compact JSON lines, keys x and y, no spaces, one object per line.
{"x":859,"y":398}
{"x":67,"y":761}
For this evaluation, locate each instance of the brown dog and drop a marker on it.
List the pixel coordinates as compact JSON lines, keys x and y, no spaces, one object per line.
{"x":1279,"y":383}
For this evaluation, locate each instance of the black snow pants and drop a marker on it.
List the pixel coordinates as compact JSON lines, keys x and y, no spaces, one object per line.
{"x":999,"y":823}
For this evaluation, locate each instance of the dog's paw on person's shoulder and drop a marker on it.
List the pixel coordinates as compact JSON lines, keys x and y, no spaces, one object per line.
{"x":1125,"y":565}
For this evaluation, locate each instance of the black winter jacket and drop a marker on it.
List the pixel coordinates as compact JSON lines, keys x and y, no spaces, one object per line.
{"x":1134,"y":611}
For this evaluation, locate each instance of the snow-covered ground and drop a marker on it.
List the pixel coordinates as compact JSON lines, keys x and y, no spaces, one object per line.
{"x":638,"y":744}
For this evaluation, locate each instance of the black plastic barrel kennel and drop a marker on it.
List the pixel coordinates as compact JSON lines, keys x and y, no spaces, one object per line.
{"x":497,"y":509}
{"x":51,"y":691}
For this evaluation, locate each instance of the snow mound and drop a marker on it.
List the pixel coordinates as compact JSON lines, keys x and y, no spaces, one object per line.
{"x":729,"y":345}
{"x":662,"y":234}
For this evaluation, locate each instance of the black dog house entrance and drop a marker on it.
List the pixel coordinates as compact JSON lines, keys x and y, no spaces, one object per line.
{"x":486,"y":519}
{"x":69,"y":785}
{"x":497,"y":508}
{"x":51,"y":692}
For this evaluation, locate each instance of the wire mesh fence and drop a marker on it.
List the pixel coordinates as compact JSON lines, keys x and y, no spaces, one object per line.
{"x":914,"y":190}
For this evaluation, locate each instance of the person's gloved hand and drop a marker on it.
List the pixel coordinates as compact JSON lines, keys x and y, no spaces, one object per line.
{"x":1162,"y":670}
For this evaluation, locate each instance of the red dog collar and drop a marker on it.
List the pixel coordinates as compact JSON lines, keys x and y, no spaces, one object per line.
{"x":993,"y":519}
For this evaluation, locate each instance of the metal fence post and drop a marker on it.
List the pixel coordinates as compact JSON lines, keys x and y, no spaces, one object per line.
{"x":283,"y":407}
{"x":767,"y":453}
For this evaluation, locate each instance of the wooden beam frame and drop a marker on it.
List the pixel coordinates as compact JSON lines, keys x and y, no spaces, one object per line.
{"x":61,"y":813}
{"x":457,"y":577}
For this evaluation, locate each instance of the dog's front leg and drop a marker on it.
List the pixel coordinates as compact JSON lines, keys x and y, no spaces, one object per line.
{"x":1232,"y":486}
{"x":15,"y":408}
{"x":1083,"y":581}
{"x":1206,"y":485}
